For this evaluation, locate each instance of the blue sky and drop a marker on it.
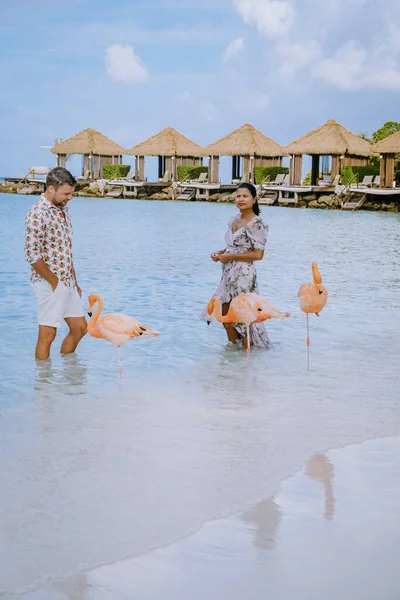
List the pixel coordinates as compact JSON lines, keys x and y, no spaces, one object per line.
{"x":132,"y":67}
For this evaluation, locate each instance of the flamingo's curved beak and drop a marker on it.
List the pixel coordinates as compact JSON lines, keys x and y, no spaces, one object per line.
{"x":90,"y":314}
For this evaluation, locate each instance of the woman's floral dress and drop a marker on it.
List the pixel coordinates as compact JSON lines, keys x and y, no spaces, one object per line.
{"x":241,"y":277}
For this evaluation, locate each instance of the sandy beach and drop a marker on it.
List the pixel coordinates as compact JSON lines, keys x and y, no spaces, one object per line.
{"x":330,"y":531}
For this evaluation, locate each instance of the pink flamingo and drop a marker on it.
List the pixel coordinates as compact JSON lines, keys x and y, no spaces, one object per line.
{"x":312,"y":299}
{"x":245,"y":308}
{"x":116,"y":328}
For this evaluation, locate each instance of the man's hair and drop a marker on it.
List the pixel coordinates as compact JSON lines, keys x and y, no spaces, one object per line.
{"x":59,"y":177}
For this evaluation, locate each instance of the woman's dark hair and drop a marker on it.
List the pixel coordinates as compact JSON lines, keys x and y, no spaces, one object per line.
{"x":253,"y":192}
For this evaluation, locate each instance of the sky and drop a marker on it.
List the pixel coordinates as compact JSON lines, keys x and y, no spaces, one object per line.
{"x":132,"y":67}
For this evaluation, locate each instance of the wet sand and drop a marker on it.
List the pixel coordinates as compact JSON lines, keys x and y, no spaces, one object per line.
{"x":331,"y":531}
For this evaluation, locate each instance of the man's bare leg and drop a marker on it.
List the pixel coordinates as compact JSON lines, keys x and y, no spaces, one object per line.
{"x":46,"y":337}
{"x":77,"y":330}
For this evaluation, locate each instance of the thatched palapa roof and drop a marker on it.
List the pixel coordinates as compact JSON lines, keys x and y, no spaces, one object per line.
{"x":89,"y":141}
{"x":245,"y":141}
{"x":330,"y":139}
{"x":389,"y":145}
{"x":167,"y":142}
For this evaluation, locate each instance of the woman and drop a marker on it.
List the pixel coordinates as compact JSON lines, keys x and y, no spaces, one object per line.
{"x":245,"y":242}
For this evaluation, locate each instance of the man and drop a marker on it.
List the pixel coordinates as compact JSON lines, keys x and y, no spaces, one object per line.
{"x":48,"y":249}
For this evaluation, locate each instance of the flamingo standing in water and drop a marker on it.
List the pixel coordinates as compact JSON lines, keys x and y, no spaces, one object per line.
{"x":116,"y":328}
{"x":312,"y":299}
{"x":245,"y":308}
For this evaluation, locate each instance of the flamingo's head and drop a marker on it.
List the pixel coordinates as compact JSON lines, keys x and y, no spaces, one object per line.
{"x":316,"y":274}
{"x":210,"y":309}
{"x":92,"y":299}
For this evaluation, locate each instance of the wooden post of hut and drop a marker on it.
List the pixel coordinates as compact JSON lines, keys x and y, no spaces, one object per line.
{"x":141,"y":168}
{"x":168,"y":164}
{"x":335,"y":169}
{"x":387,"y":170}
{"x":61,"y":160}
{"x":295,"y":169}
{"x":314,"y":169}
{"x":213,"y":169}
{"x":246,"y":168}
{"x":103,"y":160}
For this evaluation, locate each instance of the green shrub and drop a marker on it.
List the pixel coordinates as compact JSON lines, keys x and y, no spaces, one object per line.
{"x":307,"y":179}
{"x":347,"y":175}
{"x":190,"y":171}
{"x":115,"y":171}
{"x":366,"y":170}
{"x":260,"y":173}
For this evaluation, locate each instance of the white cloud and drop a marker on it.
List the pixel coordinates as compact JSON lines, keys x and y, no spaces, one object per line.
{"x":353,"y":68}
{"x":233,"y":48}
{"x":271,"y":17}
{"x":297,"y":56}
{"x":124,"y":66}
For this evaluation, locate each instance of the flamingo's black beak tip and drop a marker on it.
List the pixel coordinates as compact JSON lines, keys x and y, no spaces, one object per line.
{"x":90,"y":314}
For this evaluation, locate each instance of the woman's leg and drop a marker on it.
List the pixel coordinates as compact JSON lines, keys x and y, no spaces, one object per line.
{"x":231,"y":332}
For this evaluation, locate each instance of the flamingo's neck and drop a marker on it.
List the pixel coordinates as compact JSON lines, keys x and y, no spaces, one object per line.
{"x":95,"y":316}
{"x":217,"y":312}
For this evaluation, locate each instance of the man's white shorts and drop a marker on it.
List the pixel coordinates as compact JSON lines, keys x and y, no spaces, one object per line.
{"x":54,"y":307}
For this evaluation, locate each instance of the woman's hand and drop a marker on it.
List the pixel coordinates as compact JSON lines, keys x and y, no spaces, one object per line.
{"x":215,"y":256}
{"x":225,"y":258}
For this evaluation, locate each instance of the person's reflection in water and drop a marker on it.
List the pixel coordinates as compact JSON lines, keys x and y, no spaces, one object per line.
{"x":320,"y":469}
{"x":265,"y":519}
{"x":69,"y":377}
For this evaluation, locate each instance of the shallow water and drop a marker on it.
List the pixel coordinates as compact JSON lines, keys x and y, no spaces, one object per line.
{"x":198,"y":430}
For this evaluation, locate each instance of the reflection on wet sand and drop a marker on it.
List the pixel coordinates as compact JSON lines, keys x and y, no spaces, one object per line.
{"x":320,"y":469}
{"x":264,"y":519}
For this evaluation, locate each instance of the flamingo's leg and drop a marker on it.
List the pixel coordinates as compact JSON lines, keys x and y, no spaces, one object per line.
{"x":308,"y":345}
{"x":119,"y":365}
{"x":248,"y":338}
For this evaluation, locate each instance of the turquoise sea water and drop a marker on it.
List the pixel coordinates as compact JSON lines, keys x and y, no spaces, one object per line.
{"x":198,"y":430}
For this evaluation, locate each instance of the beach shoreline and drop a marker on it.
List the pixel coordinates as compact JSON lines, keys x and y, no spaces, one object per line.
{"x":329,"y":526}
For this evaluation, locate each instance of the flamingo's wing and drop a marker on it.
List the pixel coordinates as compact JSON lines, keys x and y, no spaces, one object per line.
{"x":123,"y":325}
{"x":244,"y":308}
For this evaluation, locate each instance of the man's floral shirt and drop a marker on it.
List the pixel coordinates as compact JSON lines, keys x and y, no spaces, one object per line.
{"x":49,"y":236}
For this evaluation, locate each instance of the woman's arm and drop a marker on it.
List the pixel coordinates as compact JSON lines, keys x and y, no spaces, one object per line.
{"x":245,"y":257}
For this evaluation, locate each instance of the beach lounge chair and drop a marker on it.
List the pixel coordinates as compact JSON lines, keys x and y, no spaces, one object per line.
{"x":367,"y":181}
{"x":244,"y":179}
{"x":202,"y":178}
{"x":85,"y":176}
{"x":166,"y":178}
{"x":377,"y":181}
{"x":279,"y":179}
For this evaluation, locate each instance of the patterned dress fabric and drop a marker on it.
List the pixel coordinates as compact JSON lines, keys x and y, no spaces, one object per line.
{"x":241,"y":277}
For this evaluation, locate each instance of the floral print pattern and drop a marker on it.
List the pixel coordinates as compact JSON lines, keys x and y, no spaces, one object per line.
{"x":241,"y":277}
{"x":48,"y":235}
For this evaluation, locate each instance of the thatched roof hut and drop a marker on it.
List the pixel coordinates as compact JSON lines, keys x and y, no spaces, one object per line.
{"x":389,"y":145}
{"x":168,"y":142}
{"x":95,"y":147}
{"x":245,"y":141}
{"x":249,"y":143}
{"x":387,"y":149}
{"x":331,"y":139}
{"x":89,"y":141}
{"x":172,"y":149}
